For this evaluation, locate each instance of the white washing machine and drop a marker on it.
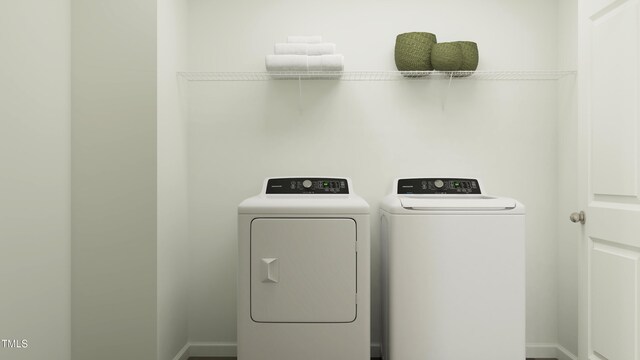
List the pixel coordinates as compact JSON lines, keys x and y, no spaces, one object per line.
{"x":453,"y":272}
{"x":303,"y":277}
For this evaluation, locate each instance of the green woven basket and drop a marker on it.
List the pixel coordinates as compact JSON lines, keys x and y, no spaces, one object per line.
{"x":470,"y":56}
{"x":446,"y":56}
{"x":413,"y":51}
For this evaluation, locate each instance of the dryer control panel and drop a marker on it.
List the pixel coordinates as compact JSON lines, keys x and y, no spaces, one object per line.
{"x":307,"y":186}
{"x":438,"y":186}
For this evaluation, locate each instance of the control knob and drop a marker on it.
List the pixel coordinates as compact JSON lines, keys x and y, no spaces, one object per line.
{"x":307,"y":184}
{"x":438,"y":184}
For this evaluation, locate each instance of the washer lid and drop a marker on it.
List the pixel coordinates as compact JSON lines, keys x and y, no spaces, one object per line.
{"x":481,"y":202}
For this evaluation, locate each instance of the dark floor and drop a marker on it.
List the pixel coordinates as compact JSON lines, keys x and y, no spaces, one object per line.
{"x":233,"y":358}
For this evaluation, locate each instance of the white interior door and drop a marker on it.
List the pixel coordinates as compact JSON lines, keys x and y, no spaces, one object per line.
{"x":609,"y":132}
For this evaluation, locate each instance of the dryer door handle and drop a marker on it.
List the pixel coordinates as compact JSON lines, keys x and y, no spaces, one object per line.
{"x":270,"y":270}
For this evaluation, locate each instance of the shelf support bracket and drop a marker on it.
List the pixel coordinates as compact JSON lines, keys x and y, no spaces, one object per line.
{"x":446,"y":93}
{"x":300,"y":94}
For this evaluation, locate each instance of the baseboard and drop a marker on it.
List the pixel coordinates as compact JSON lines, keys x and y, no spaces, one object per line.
{"x":549,"y":351}
{"x":376,"y":350}
{"x":183,"y":354}
{"x":211,"y":349}
{"x":544,"y":351}
{"x":564,"y":354}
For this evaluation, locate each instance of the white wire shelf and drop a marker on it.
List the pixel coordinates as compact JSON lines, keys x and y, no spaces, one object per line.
{"x":376,"y":75}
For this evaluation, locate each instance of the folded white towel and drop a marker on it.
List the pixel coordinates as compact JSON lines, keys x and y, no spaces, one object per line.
{"x":286,"y":62}
{"x":304,"y":63}
{"x":304,"y":39}
{"x":326,"y":63}
{"x":304,"y":49}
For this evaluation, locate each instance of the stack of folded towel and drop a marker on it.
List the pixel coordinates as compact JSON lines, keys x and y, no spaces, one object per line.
{"x":304,"y":53}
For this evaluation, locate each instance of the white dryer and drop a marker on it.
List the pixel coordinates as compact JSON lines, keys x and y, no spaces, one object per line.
{"x":303,"y":277}
{"x":453,"y":272}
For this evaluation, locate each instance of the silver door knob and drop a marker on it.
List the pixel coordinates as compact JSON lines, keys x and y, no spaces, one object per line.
{"x":577,"y":217}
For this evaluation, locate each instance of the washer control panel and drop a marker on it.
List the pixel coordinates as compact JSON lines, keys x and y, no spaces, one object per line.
{"x":438,"y":186}
{"x":307,"y":186}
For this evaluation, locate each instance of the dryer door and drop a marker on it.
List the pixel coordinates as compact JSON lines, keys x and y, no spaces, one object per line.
{"x":303,"y":270}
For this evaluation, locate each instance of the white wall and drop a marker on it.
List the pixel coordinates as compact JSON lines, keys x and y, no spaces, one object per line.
{"x":34,"y":178}
{"x":113,"y":178}
{"x":172,"y":182}
{"x":568,"y":233}
{"x":242,"y":132}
